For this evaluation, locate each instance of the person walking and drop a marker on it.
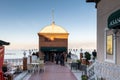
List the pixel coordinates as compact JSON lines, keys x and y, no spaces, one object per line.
{"x":57,"y":58}
{"x":62,"y":59}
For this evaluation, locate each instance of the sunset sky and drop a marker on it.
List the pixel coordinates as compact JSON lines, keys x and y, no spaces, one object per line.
{"x":21,"y":20}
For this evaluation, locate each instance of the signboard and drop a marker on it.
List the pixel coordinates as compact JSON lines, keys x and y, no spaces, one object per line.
{"x":1,"y":56}
{"x":114,"y":20}
{"x":53,"y":49}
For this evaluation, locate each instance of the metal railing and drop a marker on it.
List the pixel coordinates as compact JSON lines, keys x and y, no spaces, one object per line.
{"x":108,"y":71}
{"x":103,"y":70}
{"x":14,"y":62}
{"x":91,"y":72}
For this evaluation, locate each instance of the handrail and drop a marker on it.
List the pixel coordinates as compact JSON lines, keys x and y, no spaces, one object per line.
{"x":108,"y":71}
{"x":91,"y":71}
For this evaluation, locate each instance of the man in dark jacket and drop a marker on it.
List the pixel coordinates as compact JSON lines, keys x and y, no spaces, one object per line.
{"x":94,"y":53}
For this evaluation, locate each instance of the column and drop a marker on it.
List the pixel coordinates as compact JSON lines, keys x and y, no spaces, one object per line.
{"x":81,"y":55}
{"x":114,"y":48}
{"x":24,"y":62}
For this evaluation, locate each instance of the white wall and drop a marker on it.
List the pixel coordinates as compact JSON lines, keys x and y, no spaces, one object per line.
{"x":104,"y":9}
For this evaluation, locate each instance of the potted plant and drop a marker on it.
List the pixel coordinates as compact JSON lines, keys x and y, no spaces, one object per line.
{"x":78,"y":61}
{"x":88,"y":57}
{"x":84,"y":77}
{"x":4,"y":68}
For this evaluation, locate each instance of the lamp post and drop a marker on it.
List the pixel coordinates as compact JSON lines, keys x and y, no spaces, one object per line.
{"x":81,"y":54}
{"x":24,"y":53}
{"x":75,"y":50}
{"x":81,"y":50}
{"x":30,"y":52}
{"x":70,"y":50}
{"x":30,"y":56}
{"x":24,"y":61}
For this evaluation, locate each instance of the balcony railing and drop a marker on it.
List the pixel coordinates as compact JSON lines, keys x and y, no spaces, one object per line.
{"x":103,"y":70}
{"x":91,"y":71}
{"x":15,"y":62}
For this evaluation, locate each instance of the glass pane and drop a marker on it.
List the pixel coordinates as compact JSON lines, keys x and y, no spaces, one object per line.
{"x":110,"y":44}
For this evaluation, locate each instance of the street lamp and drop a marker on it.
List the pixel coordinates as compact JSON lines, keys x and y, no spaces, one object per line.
{"x":24,"y":53}
{"x":81,"y":54}
{"x":75,"y":50}
{"x":30,"y":52}
{"x":70,"y":50}
{"x":81,"y":50}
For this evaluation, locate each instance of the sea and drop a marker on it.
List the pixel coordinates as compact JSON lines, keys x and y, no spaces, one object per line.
{"x":18,"y":54}
{"x":15,"y":54}
{"x":15,"y":57}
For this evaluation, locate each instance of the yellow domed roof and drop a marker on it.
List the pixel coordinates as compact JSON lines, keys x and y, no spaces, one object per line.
{"x":53,"y":29}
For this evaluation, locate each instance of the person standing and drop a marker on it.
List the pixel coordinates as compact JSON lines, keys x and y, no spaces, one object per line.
{"x":57,"y":58}
{"x":94,"y":53}
{"x":62,"y":59}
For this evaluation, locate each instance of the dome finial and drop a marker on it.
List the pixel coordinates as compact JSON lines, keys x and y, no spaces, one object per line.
{"x":53,"y":16}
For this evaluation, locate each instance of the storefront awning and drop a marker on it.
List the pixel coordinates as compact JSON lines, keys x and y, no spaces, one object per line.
{"x":61,"y":49}
{"x":114,"y":20}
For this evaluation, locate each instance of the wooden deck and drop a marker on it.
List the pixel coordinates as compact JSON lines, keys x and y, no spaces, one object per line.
{"x":53,"y":72}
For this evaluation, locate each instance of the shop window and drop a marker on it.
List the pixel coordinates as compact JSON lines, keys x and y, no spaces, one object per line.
{"x":109,"y":45}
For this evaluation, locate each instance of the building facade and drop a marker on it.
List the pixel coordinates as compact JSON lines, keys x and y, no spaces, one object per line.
{"x":53,"y":39}
{"x":107,"y":66}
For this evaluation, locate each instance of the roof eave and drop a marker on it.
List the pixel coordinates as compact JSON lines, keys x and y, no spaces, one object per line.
{"x":95,"y":1}
{"x":4,"y":43}
{"x":90,"y":0}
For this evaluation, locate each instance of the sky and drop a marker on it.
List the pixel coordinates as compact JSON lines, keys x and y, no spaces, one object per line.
{"x":21,"y":20}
